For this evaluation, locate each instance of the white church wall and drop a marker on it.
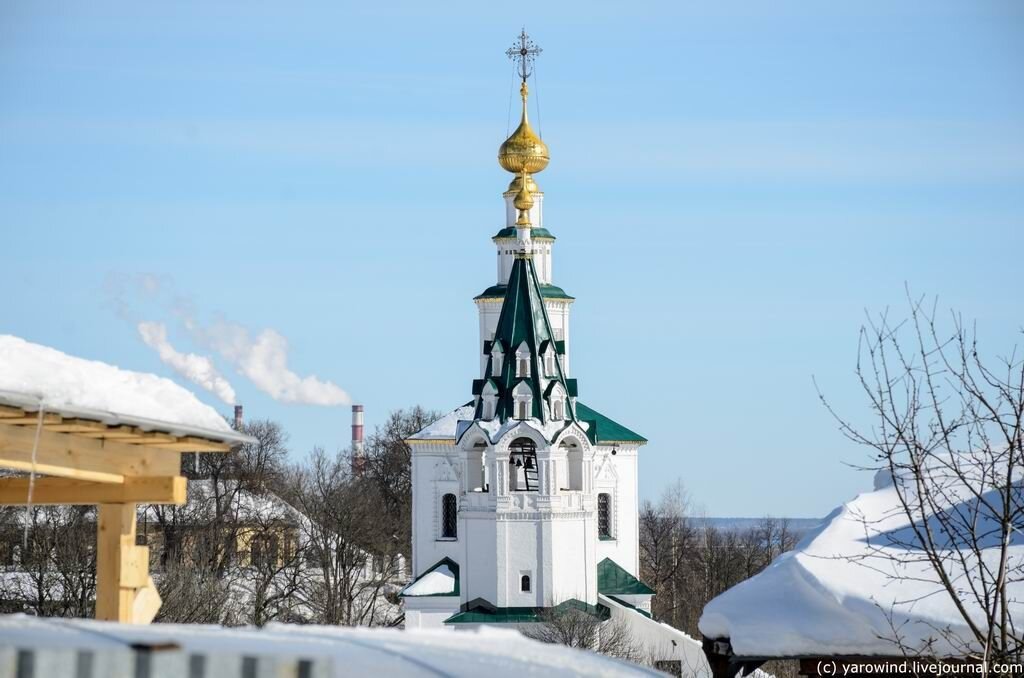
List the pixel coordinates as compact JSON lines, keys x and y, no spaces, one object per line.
{"x":429,"y":612}
{"x":522,"y":545}
{"x":478,"y":561}
{"x":433,"y":476}
{"x":617,"y":475}
{"x":574,"y":568}
{"x":660,"y":641}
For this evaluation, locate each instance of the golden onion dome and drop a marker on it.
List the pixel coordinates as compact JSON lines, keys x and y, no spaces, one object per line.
{"x":523,"y":200}
{"x":517,"y":184}
{"x":524,"y":150}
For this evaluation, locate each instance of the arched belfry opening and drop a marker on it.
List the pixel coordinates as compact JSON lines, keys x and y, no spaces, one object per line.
{"x":522,"y":462}
{"x":574,"y":465}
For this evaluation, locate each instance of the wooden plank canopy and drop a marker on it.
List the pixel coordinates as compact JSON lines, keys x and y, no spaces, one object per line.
{"x":113,"y":465}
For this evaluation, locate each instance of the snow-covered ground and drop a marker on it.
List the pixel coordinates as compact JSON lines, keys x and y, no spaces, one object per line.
{"x":851,"y":587}
{"x":55,"y":646}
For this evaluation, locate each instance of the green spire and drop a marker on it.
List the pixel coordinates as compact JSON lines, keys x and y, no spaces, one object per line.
{"x":524,"y":332}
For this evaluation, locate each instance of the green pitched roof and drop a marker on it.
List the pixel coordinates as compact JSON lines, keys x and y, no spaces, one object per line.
{"x":603,"y":430}
{"x":546,"y":291}
{"x":535,"y":233}
{"x":522,"y":615}
{"x":523,"y":320}
{"x":613,"y":580}
{"x":452,"y":565}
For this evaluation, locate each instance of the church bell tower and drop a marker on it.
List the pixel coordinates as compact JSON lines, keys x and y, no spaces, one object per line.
{"x":519,"y":494}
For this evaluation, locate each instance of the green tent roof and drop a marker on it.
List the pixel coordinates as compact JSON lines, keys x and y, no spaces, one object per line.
{"x":613,"y":580}
{"x":546,"y":291}
{"x":604,"y":430}
{"x":536,"y":233}
{"x":523,"y":321}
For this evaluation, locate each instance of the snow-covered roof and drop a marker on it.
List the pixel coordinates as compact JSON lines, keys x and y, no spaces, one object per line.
{"x":325,"y":650}
{"x":444,"y":428}
{"x":846,"y":587}
{"x":34,"y":376}
{"x":440,"y":580}
{"x":250,"y":505}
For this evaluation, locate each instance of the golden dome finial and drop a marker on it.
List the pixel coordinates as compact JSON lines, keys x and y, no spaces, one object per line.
{"x":524,"y":150}
{"x":523,"y":201}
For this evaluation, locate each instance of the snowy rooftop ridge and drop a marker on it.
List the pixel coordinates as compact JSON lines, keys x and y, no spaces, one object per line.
{"x":845,"y":588}
{"x":326,"y":650}
{"x":33,"y":376}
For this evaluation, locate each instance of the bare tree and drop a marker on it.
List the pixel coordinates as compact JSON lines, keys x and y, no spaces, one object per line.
{"x":582,"y":629}
{"x":666,"y":541}
{"x":948,"y":430}
{"x":348,"y":544}
{"x":52,"y":564}
{"x":389,"y":467}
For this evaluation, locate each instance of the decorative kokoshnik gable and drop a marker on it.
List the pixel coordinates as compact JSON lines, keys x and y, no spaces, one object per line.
{"x":525,"y":375}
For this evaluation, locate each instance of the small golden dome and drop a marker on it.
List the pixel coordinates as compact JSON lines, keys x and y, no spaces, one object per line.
{"x":517,"y":184}
{"x":523,"y":201}
{"x":524,"y":150}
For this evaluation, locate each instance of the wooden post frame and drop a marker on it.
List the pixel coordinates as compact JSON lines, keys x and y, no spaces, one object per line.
{"x":122,"y":568}
{"x":116,"y":467}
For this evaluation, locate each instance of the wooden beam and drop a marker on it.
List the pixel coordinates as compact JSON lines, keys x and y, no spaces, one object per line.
{"x":51,"y":491}
{"x":115,"y":536}
{"x":33,"y":418}
{"x":190,"y":444}
{"x":147,"y":603}
{"x":70,"y":456}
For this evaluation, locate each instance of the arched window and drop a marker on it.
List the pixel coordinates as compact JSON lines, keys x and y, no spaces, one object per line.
{"x":449,"y":517}
{"x":522,"y":461}
{"x":558,"y":409}
{"x":523,"y":360}
{"x":604,"y":516}
{"x":574,"y":460}
{"x":524,"y":583}
{"x":523,"y":397}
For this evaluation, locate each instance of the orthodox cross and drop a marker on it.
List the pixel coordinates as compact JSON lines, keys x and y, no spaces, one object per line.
{"x":524,"y":51}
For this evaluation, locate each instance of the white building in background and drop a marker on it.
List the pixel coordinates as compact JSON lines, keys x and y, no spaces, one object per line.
{"x":525,"y":499}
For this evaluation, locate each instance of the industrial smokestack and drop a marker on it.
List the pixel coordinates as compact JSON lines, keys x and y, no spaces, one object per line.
{"x":238,"y":417}
{"x":358,"y":450}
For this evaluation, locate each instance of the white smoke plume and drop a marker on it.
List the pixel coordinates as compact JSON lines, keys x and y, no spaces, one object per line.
{"x":196,"y":368}
{"x":264,"y":361}
{"x":262,"y":358}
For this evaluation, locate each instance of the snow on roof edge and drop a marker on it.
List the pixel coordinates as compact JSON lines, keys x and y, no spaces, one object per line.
{"x":32,"y":403}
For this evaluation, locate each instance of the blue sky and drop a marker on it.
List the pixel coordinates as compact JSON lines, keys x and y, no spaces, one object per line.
{"x":732,"y":185}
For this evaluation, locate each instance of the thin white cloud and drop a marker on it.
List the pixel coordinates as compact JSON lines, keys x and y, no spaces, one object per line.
{"x":198,"y":369}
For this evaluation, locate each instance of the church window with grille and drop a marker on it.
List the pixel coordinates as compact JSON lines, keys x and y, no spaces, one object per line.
{"x":604,"y":515}
{"x":449,"y":517}
{"x":524,"y":583}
